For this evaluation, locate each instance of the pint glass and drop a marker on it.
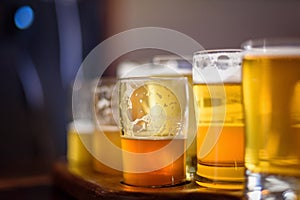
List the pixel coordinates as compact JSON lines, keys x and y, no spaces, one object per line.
{"x":220,"y":136}
{"x":271,"y":93}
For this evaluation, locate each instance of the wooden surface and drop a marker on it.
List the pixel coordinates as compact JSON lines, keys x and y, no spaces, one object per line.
{"x":29,"y":180}
{"x":83,"y":183}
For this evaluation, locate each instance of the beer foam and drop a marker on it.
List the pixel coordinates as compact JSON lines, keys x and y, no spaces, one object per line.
{"x":214,"y":75}
{"x":274,"y":51}
{"x":81,"y":126}
{"x":217,"y":67}
{"x":127,"y":70}
{"x":109,"y":128}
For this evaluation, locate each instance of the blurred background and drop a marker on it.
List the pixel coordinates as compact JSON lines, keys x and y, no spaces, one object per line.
{"x":43,"y":42}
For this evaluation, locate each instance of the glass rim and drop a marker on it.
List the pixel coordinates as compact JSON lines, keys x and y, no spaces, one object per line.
{"x":149,"y":78}
{"x":103,"y":81}
{"x":106,"y":79}
{"x":263,"y":43}
{"x":168,"y":57}
{"x":213,"y":51}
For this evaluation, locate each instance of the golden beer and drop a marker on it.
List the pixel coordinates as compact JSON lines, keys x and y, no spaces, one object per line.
{"x":271,"y":89}
{"x":102,"y":151}
{"x":220,"y":136}
{"x":106,"y":139}
{"x":220,"y":120}
{"x":171,"y":174}
{"x":79,"y":140}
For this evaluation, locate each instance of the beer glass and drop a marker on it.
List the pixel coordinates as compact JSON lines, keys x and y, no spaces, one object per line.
{"x":271,"y":95}
{"x":153,"y":120}
{"x":79,"y":136}
{"x":219,"y":113}
{"x":106,"y":139}
{"x":80,"y":130}
{"x":178,"y":66}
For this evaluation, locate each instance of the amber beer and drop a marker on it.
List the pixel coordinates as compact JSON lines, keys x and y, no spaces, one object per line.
{"x":272,"y":106}
{"x":154,"y":124}
{"x":171,"y":66}
{"x":221,"y":122}
{"x":171,"y":174}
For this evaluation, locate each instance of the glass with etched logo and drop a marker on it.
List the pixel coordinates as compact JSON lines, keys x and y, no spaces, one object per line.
{"x":153,"y":120}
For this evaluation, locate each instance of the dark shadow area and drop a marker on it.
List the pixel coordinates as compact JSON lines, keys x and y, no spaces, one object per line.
{"x":42,"y":44}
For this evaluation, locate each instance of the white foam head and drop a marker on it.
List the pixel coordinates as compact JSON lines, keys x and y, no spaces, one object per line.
{"x":217,"y":66}
{"x":109,"y":128}
{"x":126,"y":70}
{"x":274,"y":51}
{"x":82,"y":126}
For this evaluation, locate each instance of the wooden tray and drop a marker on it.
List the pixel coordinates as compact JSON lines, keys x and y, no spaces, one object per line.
{"x":84,"y":183}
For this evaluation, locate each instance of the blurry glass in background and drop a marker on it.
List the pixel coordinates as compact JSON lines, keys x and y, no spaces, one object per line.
{"x":183,"y":67}
{"x":177,"y":64}
{"x":78,"y":137}
{"x":80,"y":130}
{"x":106,"y":126}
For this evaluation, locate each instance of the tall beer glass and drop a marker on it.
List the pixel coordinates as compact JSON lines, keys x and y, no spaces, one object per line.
{"x":220,"y":136}
{"x":271,"y":93}
{"x":154,"y":121}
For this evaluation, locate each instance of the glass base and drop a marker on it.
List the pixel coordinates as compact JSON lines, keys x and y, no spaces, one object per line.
{"x":228,"y":178}
{"x":222,"y":185}
{"x":268,"y":187}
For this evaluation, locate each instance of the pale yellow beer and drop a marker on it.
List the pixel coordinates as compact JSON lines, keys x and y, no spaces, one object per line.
{"x":106,"y":139}
{"x":271,"y":88}
{"x":112,"y":133}
{"x":79,"y":140}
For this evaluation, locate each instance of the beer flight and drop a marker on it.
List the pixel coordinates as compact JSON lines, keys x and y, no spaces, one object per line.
{"x":237,"y":109}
